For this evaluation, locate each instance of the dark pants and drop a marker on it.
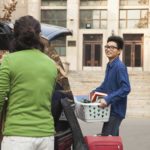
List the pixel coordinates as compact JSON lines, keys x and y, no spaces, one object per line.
{"x":111,"y":127}
{"x":56,"y":112}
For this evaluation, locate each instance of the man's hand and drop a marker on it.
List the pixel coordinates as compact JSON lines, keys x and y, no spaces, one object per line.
{"x":103,"y":103}
{"x":91,"y":95}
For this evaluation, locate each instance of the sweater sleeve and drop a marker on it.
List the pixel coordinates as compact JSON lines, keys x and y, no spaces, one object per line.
{"x":4,"y":81}
{"x":100,"y":88}
{"x":124,"y":89}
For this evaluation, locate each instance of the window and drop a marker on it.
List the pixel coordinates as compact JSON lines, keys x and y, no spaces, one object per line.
{"x":60,"y":45}
{"x":93,"y":2}
{"x":134,"y":18}
{"x":95,"y":19}
{"x":134,"y":2}
{"x":54,"y":2}
{"x":55,"y":17}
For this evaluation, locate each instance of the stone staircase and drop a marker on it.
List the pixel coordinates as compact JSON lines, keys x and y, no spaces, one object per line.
{"x":82,"y":82}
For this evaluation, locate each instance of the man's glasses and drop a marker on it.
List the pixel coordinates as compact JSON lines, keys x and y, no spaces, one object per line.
{"x":110,"y":47}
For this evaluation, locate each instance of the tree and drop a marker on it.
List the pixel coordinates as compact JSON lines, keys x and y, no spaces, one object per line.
{"x":8,"y":10}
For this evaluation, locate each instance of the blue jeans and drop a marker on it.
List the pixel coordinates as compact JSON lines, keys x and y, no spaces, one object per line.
{"x":112,"y":126}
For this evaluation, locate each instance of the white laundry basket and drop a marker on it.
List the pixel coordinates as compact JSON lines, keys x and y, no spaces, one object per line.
{"x":90,"y":112}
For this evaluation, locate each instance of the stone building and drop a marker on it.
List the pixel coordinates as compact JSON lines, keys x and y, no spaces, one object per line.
{"x":91,"y":22}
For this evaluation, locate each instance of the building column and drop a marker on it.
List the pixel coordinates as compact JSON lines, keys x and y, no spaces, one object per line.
{"x":113,"y":17}
{"x":72,"y":24}
{"x":34,"y":8}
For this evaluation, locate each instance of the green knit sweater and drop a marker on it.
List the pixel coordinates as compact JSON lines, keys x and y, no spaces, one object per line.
{"x":28,"y":79}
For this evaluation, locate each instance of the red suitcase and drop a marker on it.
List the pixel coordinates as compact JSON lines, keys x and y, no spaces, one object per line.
{"x":104,"y":142}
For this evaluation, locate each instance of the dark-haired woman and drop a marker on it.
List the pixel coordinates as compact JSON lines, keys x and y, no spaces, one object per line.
{"x":27,"y":78}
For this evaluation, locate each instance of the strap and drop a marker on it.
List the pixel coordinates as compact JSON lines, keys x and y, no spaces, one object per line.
{"x":78,"y":139}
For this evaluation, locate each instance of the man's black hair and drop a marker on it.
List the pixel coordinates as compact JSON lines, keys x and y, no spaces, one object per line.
{"x":116,"y":39}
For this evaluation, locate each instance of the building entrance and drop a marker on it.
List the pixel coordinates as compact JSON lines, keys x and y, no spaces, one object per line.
{"x":133,"y":50}
{"x":92,"y":50}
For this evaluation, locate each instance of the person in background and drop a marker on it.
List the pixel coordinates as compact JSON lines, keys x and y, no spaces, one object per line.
{"x":116,"y":85}
{"x":27,"y":79}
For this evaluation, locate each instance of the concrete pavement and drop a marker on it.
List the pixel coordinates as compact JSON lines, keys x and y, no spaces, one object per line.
{"x":135,"y":132}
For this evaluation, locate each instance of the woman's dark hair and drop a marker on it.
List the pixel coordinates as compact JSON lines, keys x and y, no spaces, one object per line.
{"x":26,"y":34}
{"x":116,"y":39}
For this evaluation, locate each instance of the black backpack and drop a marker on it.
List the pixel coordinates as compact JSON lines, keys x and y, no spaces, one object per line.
{"x":6,"y":36}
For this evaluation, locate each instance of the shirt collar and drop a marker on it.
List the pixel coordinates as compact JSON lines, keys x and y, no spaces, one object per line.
{"x":110,"y":65}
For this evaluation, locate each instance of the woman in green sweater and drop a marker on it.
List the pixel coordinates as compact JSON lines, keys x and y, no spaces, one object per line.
{"x":27,"y":79}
